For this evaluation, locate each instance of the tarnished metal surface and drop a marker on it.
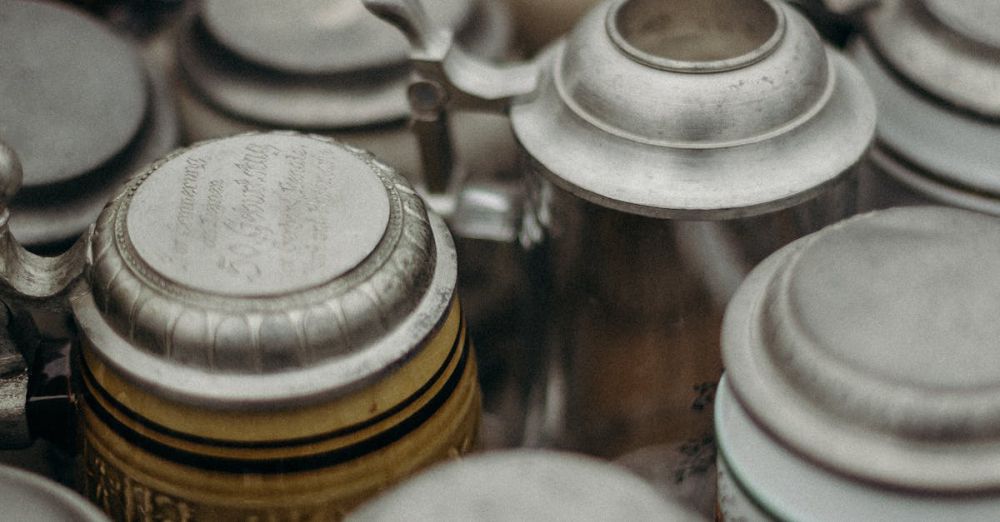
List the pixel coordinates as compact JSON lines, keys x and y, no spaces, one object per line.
{"x":82,"y":111}
{"x":869,"y":348}
{"x":524,"y":485}
{"x":662,"y":161}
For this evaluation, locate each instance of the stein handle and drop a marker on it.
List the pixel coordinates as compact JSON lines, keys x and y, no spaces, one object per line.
{"x":446,"y":77}
{"x":27,"y":282}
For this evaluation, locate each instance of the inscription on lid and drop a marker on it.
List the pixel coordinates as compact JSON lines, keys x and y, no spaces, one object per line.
{"x":251,"y":216}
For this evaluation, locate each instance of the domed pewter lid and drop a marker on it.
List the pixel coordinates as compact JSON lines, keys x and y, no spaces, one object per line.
{"x":524,"y":485}
{"x":948,"y":49}
{"x":316,"y":36}
{"x":314,"y":64}
{"x":678,"y":108}
{"x":53,"y":94}
{"x":265,"y":269}
{"x":75,"y":103}
{"x":950,"y":155}
{"x":871,"y":348}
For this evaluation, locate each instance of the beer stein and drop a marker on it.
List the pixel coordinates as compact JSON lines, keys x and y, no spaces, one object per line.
{"x":268,"y":329}
{"x":29,"y":498}
{"x":83,"y":111}
{"x":322,"y":66}
{"x":523,"y":485}
{"x":666,"y":145}
{"x":861,"y":374}
{"x":934,"y":66}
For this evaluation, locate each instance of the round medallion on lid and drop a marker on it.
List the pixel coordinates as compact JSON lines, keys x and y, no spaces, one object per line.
{"x":695,"y":110}
{"x":316,"y":36}
{"x":524,"y":485}
{"x":257,"y":217}
{"x":871,"y":347}
{"x":72,"y":94}
{"x":949,"y":49}
{"x":236,"y":260}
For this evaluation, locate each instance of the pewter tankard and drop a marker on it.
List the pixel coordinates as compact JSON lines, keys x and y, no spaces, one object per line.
{"x":666,"y":146}
{"x":862,"y":369}
{"x":269,"y":329}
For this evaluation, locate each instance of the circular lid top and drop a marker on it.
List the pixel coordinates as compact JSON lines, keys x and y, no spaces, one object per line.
{"x":30,"y":498}
{"x":266,"y":253}
{"x":316,"y":36}
{"x":64,"y":77}
{"x":949,"y":49}
{"x":687,"y":108}
{"x":871,"y":347}
{"x":314,"y":64}
{"x":941,"y":143}
{"x":523,"y":485}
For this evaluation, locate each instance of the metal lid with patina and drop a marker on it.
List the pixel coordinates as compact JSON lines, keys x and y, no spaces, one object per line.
{"x":934,"y":67}
{"x":692,"y":110}
{"x":948,"y":49}
{"x":314,"y":64}
{"x":524,"y":485}
{"x":265,"y":270}
{"x":871,"y":348}
{"x":78,"y":107}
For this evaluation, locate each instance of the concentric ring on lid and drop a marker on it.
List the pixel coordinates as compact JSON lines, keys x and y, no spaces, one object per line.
{"x":871,"y":347}
{"x":72,"y":94}
{"x":948,"y":49}
{"x":624,"y":134}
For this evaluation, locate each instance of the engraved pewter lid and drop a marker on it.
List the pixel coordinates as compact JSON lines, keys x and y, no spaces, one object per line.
{"x":934,"y":67}
{"x":672,"y":108}
{"x":27,"y":497}
{"x":264,"y":270}
{"x":77,"y":106}
{"x":871,"y":348}
{"x":317,"y":64}
{"x":524,"y":485}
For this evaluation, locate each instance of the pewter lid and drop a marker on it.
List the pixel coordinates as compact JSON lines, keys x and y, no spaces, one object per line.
{"x":314,"y":64}
{"x":872,"y":348}
{"x":524,"y":485}
{"x":316,"y":36}
{"x":27,"y":497}
{"x":691,"y":109}
{"x":265,"y":268}
{"x":949,"y":49}
{"x":945,"y":145}
{"x":72,"y":94}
